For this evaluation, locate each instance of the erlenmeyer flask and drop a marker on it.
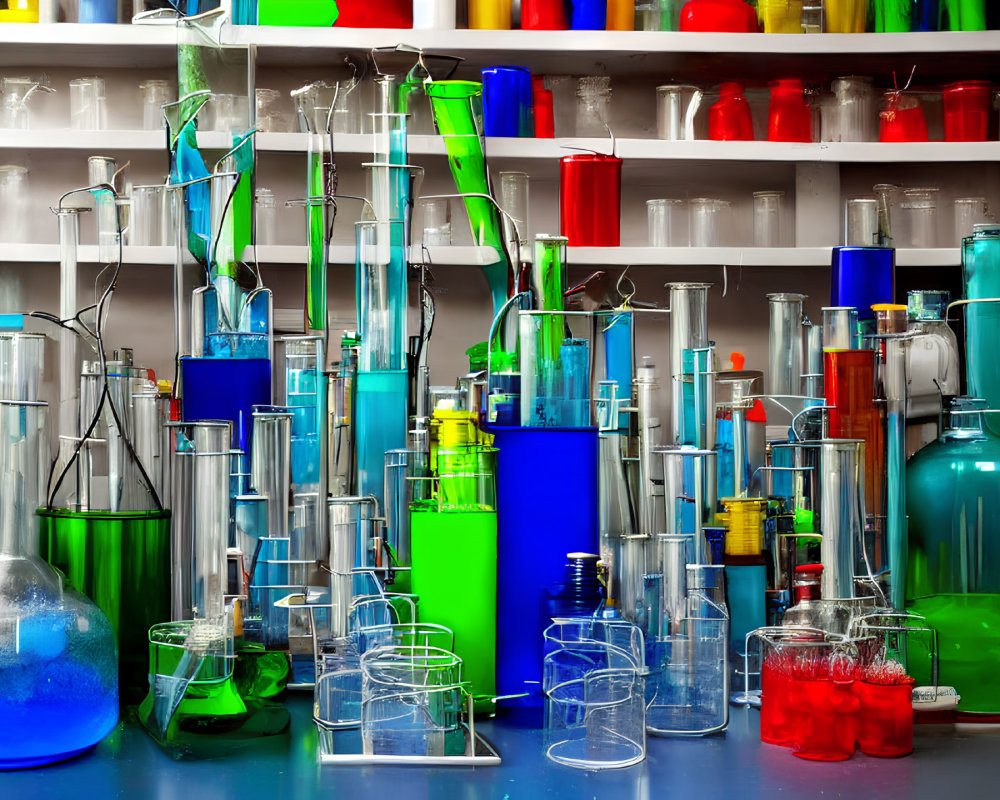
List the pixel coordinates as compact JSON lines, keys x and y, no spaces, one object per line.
{"x":58,"y":666}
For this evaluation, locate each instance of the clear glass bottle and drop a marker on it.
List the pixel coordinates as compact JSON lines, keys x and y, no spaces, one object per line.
{"x":58,"y":665}
{"x":810,"y":609}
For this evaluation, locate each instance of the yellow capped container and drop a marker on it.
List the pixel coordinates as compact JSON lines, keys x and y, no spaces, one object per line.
{"x":744,"y":523}
{"x":19,"y":11}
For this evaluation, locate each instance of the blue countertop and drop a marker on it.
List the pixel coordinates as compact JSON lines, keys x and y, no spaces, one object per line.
{"x":944,"y":765}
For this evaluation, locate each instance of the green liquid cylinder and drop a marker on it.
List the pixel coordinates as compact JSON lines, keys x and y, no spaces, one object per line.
{"x":121,"y":561}
{"x":454,"y":575}
{"x":964,"y":15}
{"x":892,"y":16}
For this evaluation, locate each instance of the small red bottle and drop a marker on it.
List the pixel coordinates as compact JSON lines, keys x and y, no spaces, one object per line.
{"x":545,"y":121}
{"x":729,"y":119}
{"x":789,"y":118}
{"x":718,"y":16}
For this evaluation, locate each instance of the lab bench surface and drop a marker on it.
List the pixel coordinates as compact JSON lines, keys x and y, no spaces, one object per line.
{"x":944,"y":766}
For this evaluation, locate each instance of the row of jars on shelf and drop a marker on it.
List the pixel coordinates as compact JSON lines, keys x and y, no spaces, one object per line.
{"x":518,"y":104}
{"x":768,"y":16}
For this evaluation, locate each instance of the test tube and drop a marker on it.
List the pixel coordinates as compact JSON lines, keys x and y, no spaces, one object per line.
{"x":514,"y":201}
{"x":267,"y":216}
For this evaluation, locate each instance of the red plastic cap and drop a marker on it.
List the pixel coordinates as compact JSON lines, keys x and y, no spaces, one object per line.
{"x":737,"y":359}
{"x":757,"y":413}
{"x":817,"y":568}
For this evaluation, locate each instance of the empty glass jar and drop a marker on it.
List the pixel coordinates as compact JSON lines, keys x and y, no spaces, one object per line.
{"x":861,"y":222}
{"x":664,"y":224}
{"x":707,"y":220}
{"x":87,"y":104}
{"x":155,"y":94}
{"x":767,"y":213}
{"x":593,"y":106}
{"x":13,"y":203}
{"x":917,"y":226}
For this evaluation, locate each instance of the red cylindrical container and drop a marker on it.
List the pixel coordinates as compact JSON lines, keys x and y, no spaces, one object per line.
{"x":885,"y":718}
{"x":729,"y":119}
{"x":774,"y":710}
{"x":902,"y":119}
{"x":718,"y":16}
{"x":543,"y":15}
{"x":545,"y":120}
{"x":788,"y":117}
{"x":825,"y":715}
{"x":966,"y":111}
{"x":590,"y":200}
{"x":371,"y":14}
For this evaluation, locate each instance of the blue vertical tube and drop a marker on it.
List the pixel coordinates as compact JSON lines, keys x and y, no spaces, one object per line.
{"x":745,"y":595}
{"x":618,"y":360}
{"x":546,"y":508}
{"x":575,"y":357}
{"x":507,"y":102}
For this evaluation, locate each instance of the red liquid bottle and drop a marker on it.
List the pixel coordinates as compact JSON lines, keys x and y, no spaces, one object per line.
{"x":718,"y":16}
{"x":729,"y":119}
{"x":545,"y":121}
{"x":788,"y":118}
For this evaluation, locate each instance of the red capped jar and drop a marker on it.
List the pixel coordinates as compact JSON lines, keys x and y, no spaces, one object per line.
{"x":729,"y":118}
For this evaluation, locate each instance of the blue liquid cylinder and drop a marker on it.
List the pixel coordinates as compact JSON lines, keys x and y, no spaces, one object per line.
{"x":590,"y":15}
{"x":508,"y":108}
{"x":547,"y":507}
{"x":225,"y":389}
{"x":745,"y":592}
{"x":618,"y":360}
{"x":861,"y":277}
{"x":99,"y":11}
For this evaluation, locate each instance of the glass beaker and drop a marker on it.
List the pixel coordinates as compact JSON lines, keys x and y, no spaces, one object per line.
{"x":662,"y":219}
{"x":902,"y":118}
{"x":707,"y":218}
{"x":411,"y":701}
{"x":267,"y":216}
{"x":16,"y":91}
{"x":767,"y":222}
{"x":437,"y":222}
{"x":861,"y":222}
{"x":13,"y":203}
{"x":514,"y":201}
{"x":658,"y":15}
{"x":228,"y":113}
{"x":967,"y":111}
{"x":969,"y":212}
{"x":918,"y":218}
{"x":155,"y":94}
{"x":729,"y":119}
{"x":855,"y":111}
{"x":780,"y":16}
{"x":593,"y":106}
{"x":676,"y":107}
{"x":268,"y":118}
{"x":490,"y":14}
{"x":87,"y":104}
{"x":59,"y":668}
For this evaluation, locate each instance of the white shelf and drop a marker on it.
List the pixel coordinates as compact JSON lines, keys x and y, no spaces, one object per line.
{"x":468,"y":255}
{"x":712,"y":57}
{"x":535,"y":149}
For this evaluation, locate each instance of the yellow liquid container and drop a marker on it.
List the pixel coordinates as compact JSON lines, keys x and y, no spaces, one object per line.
{"x":621,"y":15}
{"x":489,"y":14}
{"x":846,"y":16}
{"x":780,"y":16}
{"x":744,"y":522}
{"x":19,"y":11}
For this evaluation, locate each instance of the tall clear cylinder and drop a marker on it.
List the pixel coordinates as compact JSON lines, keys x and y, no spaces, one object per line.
{"x":688,"y":330}
{"x":896,"y":356}
{"x":69,"y":242}
{"x":842,"y":514}
{"x":784,"y":345}
{"x":270,"y":464}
